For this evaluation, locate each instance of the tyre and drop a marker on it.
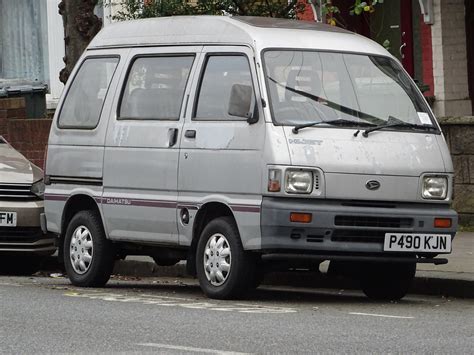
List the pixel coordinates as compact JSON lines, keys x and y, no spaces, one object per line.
{"x":88,"y":255}
{"x":166,"y":261}
{"x":224,"y":269}
{"x":20,"y":265}
{"x":388,"y":282}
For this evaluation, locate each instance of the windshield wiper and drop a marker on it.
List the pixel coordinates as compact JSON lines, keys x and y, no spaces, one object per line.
{"x":335,"y":106}
{"x":395,"y":122}
{"x":337,"y":122}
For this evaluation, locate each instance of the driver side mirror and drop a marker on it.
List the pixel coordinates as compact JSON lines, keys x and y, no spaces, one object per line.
{"x":242,"y":103}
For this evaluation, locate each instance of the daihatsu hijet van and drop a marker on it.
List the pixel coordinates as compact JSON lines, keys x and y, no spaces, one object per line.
{"x":238,"y":142}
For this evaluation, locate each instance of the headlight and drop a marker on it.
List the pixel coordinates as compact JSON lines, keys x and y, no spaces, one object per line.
{"x":38,"y":188}
{"x":435,"y":187}
{"x":298,"y":182}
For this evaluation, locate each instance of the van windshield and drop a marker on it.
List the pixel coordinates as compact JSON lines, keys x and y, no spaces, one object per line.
{"x":310,"y":87}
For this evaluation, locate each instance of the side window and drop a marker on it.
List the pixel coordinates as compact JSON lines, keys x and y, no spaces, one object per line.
{"x":220,"y":74}
{"x":155,"y":88}
{"x":86,"y":95}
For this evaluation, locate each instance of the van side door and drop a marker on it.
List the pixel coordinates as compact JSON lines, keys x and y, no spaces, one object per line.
{"x":221,"y":153}
{"x":141,"y":153}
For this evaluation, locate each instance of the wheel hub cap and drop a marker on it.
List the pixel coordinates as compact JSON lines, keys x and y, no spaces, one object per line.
{"x":217,"y":259}
{"x":81,"y":250}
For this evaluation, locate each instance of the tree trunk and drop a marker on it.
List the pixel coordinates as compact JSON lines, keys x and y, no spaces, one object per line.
{"x":80,"y":26}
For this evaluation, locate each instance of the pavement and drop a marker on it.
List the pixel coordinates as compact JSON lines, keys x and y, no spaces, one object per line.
{"x":455,"y":279}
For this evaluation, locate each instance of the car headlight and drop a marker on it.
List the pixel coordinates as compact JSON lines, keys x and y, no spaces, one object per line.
{"x":298,"y":182}
{"x":435,"y":187}
{"x":38,"y":188}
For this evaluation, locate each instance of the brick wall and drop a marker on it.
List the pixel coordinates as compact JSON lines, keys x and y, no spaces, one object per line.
{"x":450,"y":59}
{"x":28,"y":136}
{"x":459,"y":133}
{"x":427,"y":56}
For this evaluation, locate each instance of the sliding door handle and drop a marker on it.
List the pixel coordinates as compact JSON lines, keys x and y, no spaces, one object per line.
{"x":190,"y":133}
{"x":172,"y":136}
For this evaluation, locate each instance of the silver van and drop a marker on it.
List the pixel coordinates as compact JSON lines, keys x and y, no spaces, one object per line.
{"x":238,"y":143}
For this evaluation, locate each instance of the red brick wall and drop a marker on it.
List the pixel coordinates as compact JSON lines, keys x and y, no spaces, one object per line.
{"x":307,"y":14}
{"x":427,"y":56}
{"x":28,"y":136}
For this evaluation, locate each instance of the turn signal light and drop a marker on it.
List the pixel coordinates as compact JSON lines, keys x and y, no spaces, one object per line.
{"x":443,"y":222}
{"x":301,"y":217}
{"x":274,"y":178}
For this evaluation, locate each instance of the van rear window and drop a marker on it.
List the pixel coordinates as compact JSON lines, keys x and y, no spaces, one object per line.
{"x":86,"y":95}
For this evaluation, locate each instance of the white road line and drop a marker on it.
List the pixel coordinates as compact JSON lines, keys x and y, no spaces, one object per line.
{"x":10,"y":284}
{"x":380,"y":315}
{"x":190,"y":349}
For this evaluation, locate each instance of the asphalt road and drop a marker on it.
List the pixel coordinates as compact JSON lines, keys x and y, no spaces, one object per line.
{"x":48,"y":315}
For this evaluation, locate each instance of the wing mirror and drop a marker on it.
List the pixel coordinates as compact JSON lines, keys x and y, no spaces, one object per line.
{"x":242,"y":103}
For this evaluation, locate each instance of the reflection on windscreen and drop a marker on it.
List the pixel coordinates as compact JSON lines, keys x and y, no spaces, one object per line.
{"x":308,"y":86}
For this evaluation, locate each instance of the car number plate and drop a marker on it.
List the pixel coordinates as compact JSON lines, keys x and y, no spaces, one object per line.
{"x":417,"y":242}
{"x":7,"y":219}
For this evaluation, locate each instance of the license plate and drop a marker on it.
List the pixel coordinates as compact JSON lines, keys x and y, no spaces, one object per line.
{"x":7,"y":219}
{"x":440,"y":243}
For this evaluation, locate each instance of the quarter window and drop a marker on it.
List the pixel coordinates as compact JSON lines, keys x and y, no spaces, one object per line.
{"x":155,"y":88}
{"x":221,"y":73}
{"x":86,"y":95}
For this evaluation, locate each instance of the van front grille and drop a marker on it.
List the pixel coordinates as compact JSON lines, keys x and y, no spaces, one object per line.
{"x":381,"y":222}
{"x":358,"y":236}
{"x":315,"y":238}
{"x":16,"y":191}
{"x":316,"y":181}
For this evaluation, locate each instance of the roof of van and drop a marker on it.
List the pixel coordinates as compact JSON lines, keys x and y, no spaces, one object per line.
{"x":248,"y":30}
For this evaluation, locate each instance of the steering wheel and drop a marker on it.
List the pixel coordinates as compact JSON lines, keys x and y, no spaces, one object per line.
{"x":297,"y":112}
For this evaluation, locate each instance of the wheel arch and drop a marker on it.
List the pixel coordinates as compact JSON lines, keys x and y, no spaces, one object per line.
{"x":75,"y":203}
{"x":205,"y":214}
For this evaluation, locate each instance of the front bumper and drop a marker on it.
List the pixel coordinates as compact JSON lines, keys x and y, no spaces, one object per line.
{"x":27,"y":237}
{"x":346,"y":228}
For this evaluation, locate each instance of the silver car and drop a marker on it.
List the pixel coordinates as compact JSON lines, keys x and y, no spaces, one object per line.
{"x":23,"y":244}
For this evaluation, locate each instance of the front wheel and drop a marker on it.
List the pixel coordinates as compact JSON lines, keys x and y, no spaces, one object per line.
{"x":88,"y":255}
{"x":223,"y":268}
{"x":389,"y":282}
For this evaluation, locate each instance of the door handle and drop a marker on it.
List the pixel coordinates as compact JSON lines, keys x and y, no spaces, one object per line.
{"x":190,"y":133}
{"x":173,"y":136}
{"x":401,"y":50}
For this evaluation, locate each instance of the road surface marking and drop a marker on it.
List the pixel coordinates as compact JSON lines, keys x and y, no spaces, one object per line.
{"x":181,"y":302}
{"x":10,"y":284}
{"x":190,"y":349}
{"x":380,"y":315}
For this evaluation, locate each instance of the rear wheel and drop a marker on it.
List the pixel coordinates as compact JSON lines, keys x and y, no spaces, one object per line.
{"x":384,"y":281}
{"x":223,"y":268}
{"x":88,"y":255}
